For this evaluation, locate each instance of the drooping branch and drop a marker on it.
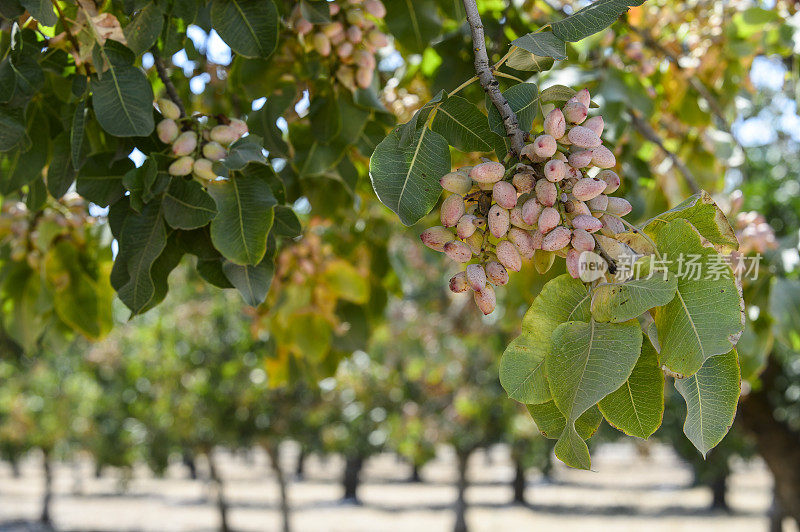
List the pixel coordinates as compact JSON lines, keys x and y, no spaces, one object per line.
{"x":164,"y":76}
{"x":489,"y":83}
{"x":70,"y":37}
{"x":647,"y":131}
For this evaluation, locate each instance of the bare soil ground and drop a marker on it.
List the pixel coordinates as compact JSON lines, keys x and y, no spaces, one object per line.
{"x":626,"y":492}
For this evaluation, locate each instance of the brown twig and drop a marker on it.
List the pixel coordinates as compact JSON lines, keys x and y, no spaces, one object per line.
{"x":70,"y":37}
{"x":489,"y":82}
{"x":164,"y":76}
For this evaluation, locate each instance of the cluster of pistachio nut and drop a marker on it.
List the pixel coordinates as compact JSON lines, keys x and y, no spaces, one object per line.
{"x":195,"y":144}
{"x":352,"y":37}
{"x":557,"y":203}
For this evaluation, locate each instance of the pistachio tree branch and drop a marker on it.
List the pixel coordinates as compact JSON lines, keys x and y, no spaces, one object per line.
{"x":164,"y":76}
{"x":647,"y":131}
{"x":71,"y":38}
{"x":489,"y":83}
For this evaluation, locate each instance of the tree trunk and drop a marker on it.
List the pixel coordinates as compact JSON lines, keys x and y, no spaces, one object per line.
{"x":776,"y":514}
{"x":48,"y":489}
{"x":519,"y":483}
{"x":350,"y":479}
{"x":415,"y":474}
{"x":98,"y":470}
{"x":719,"y":490}
{"x":188,"y":461}
{"x":461,"y":488}
{"x":300,"y":466}
{"x":15,"y":472}
{"x":216,"y":481}
{"x":778,"y":445}
{"x":275,"y":457}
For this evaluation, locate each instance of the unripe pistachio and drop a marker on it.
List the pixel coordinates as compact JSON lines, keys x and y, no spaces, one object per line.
{"x":184,"y":144}
{"x":456,"y":182}
{"x":354,"y":34}
{"x":489,"y":172}
{"x":508,"y":255}
{"x":555,"y":170}
{"x":548,"y":220}
{"x":544,"y":146}
{"x":476,"y":277}
{"x":167,"y":130}
{"x":354,"y":17}
{"x":486,"y":186}
{"x":619,"y":206}
{"x":598,"y":204}
{"x":531,"y":210}
{"x":556,"y":239}
{"x":587,"y":222}
{"x":334,"y":8}
{"x":575,"y":112}
{"x":466,"y":226}
{"x":332,"y":28}
{"x":202,"y":168}
{"x":582,"y":240}
{"x":364,"y":77}
{"x":580,"y":159}
{"x":322,"y":44}
{"x":436,"y":237}
{"x":496,"y":273}
{"x":575,"y":206}
{"x":529,"y":151}
{"x":225,"y":135}
{"x":583,"y":137}
{"x":337,"y":38}
{"x":486,"y":299}
{"x":346,"y":76}
{"x":475,"y":242}
{"x":303,"y":27}
{"x":169,"y":109}
{"x":584,"y":97}
{"x":573,"y":263}
{"x":523,"y":241}
{"x":611,"y":179}
{"x":452,"y":210}
{"x":181,"y":166}
{"x":239,"y":127}
{"x":364,"y":59}
{"x":505,"y":194}
{"x":458,"y":251}
{"x":554,"y":124}
{"x":516,"y":219}
{"x":458,"y":282}
{"x":588,"y":188}
{"x":611,"y":225}
{"x":214,"y":151}
{"x":596,"y":124}
{"x":499,"y":221}
{"x":377,"y":39}
{"x":523,"y":182}
{"x":375,"y":8}
{"x":602,"y":157}
{"x":546,"y":192}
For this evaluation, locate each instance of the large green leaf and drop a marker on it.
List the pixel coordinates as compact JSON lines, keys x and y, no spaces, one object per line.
{"x":410,"y":130}
{"x":286,"y":222}
{"x":12,"y":128}
{"x":249,"y":27}
{"x":520,"y":59}
{"x":636,"y":407}
{"x":543,"y":44}
{"x":41,"y":10}
{"x":522,"y":368}
{"x":187,"y":205}
{"x":524,"y":101}
{"x":551,"y":422}
{"x":20,"y":78}
{"x":407,"y":179}
{"x":245,"y":214}
{"x":704,"y":214}
{"x":706,"y":316}
{"x":462,"y":124}
{"x":142,"y":32}
{"x":24,"y":166}
{"x":588,"y":361}
{"x":253,"y":282}
{"x":27,"y":317}
{"x":123,"y":99}
{"x":77,"y":133}
{"x":711,"y":396}
{"x":591,"y":19}
{"x":100,"y":178}
{"x":60,"y":172}
{"x":414,"y":24}
{"x":618,"y":302}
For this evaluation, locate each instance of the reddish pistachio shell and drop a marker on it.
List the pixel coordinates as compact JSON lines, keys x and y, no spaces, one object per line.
{"x":611,"y":225}
{"x":184,"y":144}
{"x":239,"y":127}
{"x":458,"y":251}
{"x":504,"y":194}
{"x":167,"y":130}
{"x":573,"y":263}
{"x":596,"y":124}
{"x":499,"y":221}
{"x":466,"y":226}
{"x":354,"y":34}
{"x":515,"y":217}
{"x":181,"y":166}
{"x":555,"y":124}
{"x":458,"y":282}
{"x":523,"y":182}
{"x":598,"y":204}
{"x":523,"y":241}
{"x":544,"y":146}
{"x":344,"y":50}
{"x":537,"y":239}
{"x":556,"y":239}
{"x":375,"y":8}
{"x":546,"y":192}
{"x":202,"y":168}
{"x":377,"y":39}
{"x":529,"y":151}
{"x":334,"y":8}
{"x":223,"y":134}
{"x":452,"y":210}
{"x":580,"y":159}
{"x":508,"y":255}
{"x":573,"y":173}
{"x":489,"y":172}
{"x":496,"y":273}
{"x":584,"y":97}
{"x":587,"y":222}
{"x":583,"y":137}
{"x":303,"y":27}
{"x":436,"y":237}
{"x":548,"y":220}
{"x":619,"y":206}
{"x":575,"y":206}
{"x":214,"y":151}
{"x":476,"y":277}
{"x":582,"y":240}
{"x":588,"y":188}
{"x":602,"y":157}
{"x":456,"y":182}
{"x":575,"y":112}
{"x":612,"y":180}
{"x":486,"y":299}
{"x":555,"y":170}
{"x":531,"y":210}
{"x":364,"y":77}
